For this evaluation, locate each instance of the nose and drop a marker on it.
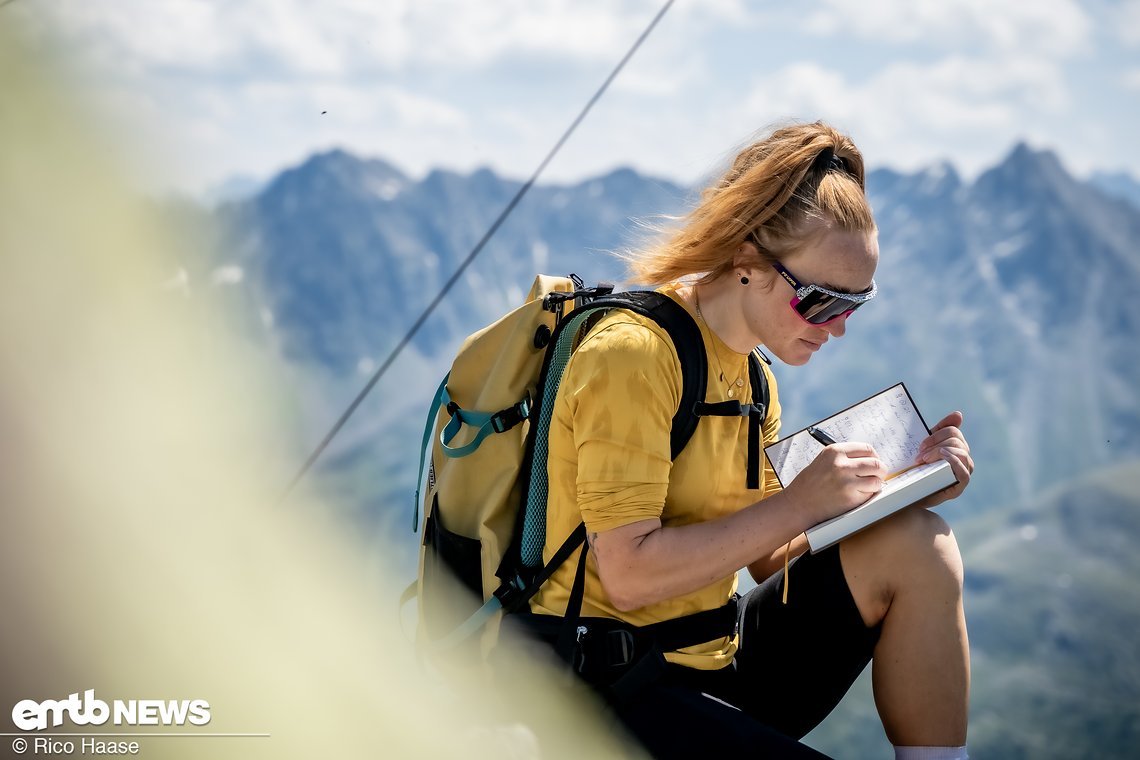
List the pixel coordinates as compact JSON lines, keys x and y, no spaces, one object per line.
{"x":838,"y":327}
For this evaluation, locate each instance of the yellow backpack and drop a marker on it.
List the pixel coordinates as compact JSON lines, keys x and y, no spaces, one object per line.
{"x":484,"y":508}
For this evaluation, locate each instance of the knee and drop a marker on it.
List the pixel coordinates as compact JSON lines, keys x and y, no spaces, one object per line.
{"x":915,"y":546}
{"x":926,"y":547}
{"x":912,"y":553}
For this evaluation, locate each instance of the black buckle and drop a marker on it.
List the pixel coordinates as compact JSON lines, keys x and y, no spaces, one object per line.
{"x":619,"y":648}
{"x":553,"y":300}
{"x":615,"y":649}
{"x":511,"y":594}
{"x":504,"y":420}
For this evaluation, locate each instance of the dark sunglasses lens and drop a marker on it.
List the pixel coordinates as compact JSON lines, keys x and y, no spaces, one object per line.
{"x":819,"y":308}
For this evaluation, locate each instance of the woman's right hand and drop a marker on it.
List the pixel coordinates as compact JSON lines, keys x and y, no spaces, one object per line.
{"x":840,"y":478}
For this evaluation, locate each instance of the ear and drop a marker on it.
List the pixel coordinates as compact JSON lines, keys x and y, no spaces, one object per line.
{"x":747,"y":261}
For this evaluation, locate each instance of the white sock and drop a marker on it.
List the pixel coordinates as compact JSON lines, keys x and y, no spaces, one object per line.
{"x":931,"y":753}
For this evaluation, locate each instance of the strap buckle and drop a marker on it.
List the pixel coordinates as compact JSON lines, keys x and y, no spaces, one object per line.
{"x":615,"y":648}
{"x":619,"y":648}
{"x":504,"y":420}
{"x":511,"y":594}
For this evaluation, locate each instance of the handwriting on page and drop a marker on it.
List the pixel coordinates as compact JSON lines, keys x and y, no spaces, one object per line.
{"x":888,"y":421}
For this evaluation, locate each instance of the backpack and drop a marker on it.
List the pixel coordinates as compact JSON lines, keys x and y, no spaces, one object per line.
{"x":484,"y":507}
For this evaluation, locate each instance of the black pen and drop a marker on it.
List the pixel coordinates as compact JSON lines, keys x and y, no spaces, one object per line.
{"x":821,"y":436}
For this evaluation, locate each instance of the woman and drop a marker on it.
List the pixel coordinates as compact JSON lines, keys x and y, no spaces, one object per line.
{"x":668,"y":537}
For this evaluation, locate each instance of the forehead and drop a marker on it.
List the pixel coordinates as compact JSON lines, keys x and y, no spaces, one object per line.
{"x":837,"y":260}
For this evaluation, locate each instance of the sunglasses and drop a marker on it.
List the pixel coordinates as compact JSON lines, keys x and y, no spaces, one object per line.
{"x":819,"y":306}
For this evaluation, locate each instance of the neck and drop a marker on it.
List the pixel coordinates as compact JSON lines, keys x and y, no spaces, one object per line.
{"x":720,"y":308}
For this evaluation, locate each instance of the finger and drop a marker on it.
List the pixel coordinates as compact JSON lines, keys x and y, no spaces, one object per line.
{"x":954,"y":419}
{"x":932,"y":451}
{"x":950,"y":437}
{"x":942,"y":434}
{"x":863,"y":489}
{"x":960,"y":463}
{"x":855,"y":449}
{"x":870,"y":485}
{"x":858,"y":459}
{"x":867,"y":467}
{"x":960,"y":454}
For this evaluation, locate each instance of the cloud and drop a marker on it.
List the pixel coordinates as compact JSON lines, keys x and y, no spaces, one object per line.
{"x":1055,"y":27}
{"x":1131,"y":79}
{"x":950,"y":94}
{"x":241,"y":86}
{"x":1127,"y":22}
{"x":908,"y":110}
{"x":340,"y":37}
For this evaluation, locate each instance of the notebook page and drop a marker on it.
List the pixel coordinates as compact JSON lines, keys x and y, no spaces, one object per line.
{"x":888,"y":421}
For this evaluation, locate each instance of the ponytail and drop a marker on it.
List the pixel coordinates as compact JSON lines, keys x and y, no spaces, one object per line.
{"x":778,"y":193}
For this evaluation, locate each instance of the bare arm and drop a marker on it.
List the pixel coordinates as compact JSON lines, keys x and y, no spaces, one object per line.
{"x":762,"y":568}
{"x":643,"y":563}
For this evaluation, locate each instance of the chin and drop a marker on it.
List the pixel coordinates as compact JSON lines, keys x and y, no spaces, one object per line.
{"x":792,"y":359}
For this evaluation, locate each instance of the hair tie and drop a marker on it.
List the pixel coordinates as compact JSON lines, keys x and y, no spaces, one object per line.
{"x":828,"y":160}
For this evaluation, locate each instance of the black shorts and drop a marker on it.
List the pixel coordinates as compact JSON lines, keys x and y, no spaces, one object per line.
{"x":794,"y":664}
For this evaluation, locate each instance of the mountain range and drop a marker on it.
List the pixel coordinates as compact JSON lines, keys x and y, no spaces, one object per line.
{"x":1010,"y":296}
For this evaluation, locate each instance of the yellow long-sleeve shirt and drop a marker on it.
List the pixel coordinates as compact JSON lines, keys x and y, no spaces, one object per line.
{"x":609,"y":463}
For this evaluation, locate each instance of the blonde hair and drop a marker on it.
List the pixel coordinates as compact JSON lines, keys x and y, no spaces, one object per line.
{"x":779,"y":192}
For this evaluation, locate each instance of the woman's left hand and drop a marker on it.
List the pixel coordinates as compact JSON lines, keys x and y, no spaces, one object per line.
{"x":947,"y":442}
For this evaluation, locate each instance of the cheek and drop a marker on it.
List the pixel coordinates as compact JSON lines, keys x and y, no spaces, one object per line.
{"x":775,"y":323}
{"x":789,"y":324}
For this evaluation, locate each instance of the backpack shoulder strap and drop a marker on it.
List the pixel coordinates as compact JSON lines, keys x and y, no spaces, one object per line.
{"x":690,"y":347}
{"x":756,"y":417}
{"x":530,"y":532}
{"x":759,"y":378}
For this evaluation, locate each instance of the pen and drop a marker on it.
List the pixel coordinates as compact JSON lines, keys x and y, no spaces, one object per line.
{"x":821,"y":436}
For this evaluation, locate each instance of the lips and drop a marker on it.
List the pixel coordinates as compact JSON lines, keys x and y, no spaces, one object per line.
{"x":812,"y":344}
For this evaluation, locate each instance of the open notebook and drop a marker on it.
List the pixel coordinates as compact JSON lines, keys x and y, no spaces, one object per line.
{"x":891,"y":423}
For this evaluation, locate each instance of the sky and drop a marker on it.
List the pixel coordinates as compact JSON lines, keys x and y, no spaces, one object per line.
{"x":199,"y":92}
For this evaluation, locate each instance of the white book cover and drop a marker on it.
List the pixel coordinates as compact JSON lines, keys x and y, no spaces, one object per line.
{"x":892,"y":424}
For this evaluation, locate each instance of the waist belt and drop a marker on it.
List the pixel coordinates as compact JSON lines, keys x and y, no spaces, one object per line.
{"x":606,"y":643}
{"x":620,"y":657}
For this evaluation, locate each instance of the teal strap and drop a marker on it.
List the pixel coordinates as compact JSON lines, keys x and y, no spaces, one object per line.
{"x":459,"y":418}
{"x":471,"y":625}
{"x":486,"y":422}
{"x":436,"y":403}
{"x":534,"y":514}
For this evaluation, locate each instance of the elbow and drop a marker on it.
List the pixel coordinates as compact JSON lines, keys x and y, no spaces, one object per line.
{"x":630,"y":575}
{"x":625,"y":594}
{"x":627,"y":603}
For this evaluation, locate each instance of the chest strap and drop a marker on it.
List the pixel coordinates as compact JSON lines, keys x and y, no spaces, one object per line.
{"x":754,"y":412}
